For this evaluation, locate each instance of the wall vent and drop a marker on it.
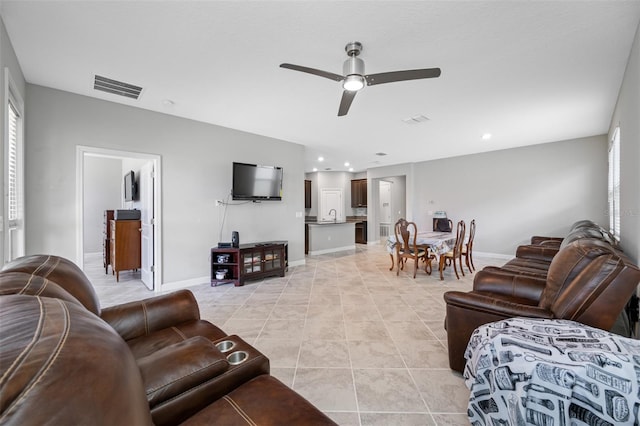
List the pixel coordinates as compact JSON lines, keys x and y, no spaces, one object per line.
{"x":116,"y":87}
{"x":415,"y":119}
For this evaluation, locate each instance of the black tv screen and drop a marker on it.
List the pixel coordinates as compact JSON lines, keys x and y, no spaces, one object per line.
{"x":256,"y":182}
{"x":130,"y":187}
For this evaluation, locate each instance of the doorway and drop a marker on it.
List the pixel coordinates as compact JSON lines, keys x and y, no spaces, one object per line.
{"x":384,"y":212}
{"x":149,"y":172}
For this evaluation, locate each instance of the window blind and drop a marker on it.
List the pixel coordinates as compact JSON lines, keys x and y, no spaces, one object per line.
{"x":12,"y":165}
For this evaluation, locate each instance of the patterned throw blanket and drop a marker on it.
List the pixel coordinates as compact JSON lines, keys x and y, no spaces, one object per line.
{"x":525,"y":371}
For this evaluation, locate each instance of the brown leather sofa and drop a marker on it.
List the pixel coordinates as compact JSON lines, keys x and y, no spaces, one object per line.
{"x":534,"y":259}
{"x":66,"y":361}
{"x":588,"y":281}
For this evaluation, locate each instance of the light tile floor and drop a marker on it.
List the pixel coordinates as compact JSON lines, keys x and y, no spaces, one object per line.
{"x":364,"y":345}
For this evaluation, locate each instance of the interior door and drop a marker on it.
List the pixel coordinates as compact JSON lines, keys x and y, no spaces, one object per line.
{"x":330,"y":201}
{"x":147,"y":273}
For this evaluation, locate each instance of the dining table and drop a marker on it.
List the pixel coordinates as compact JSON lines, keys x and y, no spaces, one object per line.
{"x":438,"y":243}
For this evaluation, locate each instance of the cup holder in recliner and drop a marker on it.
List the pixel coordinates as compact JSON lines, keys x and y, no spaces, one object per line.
{"x":225,"y":345}
{"x":237,"y":357}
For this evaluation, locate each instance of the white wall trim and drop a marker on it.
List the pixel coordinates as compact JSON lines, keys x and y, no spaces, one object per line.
{"x":178,"y":285}
{"x":298,"y":263}
{"x":332,"y":250}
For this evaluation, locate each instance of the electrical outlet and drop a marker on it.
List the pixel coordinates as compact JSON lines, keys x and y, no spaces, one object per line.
{"x":218,"y":203}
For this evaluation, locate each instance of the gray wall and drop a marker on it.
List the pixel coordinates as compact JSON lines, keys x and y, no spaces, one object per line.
{"x":196,"y":170}
{"x":102,"y":191}
{"x":513,"y":194}
{"x":627,"y":115}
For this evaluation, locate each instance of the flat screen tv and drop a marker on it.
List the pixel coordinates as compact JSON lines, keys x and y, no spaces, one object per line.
{"x":256,"y":182}
{"x":130,"y":187}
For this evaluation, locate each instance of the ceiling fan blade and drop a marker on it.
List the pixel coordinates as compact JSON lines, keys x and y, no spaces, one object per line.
{"x":345,"y":102}
{"x":325,"y":74}
{"x":390,"y":77}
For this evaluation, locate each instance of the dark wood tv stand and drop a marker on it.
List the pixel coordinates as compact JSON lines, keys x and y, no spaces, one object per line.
{"x":249,"y":262}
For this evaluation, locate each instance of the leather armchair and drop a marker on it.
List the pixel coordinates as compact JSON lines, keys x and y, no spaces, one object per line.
{"x":588,"y":281}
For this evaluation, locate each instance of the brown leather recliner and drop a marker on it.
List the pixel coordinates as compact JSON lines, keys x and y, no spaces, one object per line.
{"x":588,"y":281}
{"x":62,"y":363}
{"x":146,"y":325}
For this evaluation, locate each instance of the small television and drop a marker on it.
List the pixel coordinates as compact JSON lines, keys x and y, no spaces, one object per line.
{"x":255,"y":182}
{"x":130,"y":187}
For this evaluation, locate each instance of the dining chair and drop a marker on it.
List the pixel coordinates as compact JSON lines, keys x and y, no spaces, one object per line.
{"x":442,"y":224}
{"x":467,"y":248}
{"x":455,"y":253}
{"x":406,"y":247}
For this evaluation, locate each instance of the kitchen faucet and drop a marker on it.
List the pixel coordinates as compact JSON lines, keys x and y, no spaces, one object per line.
{"x":335,"y":214}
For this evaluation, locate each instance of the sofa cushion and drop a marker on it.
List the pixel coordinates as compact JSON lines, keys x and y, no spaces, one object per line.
{"x":60,"y":364}
{"x":568,"y":264}
{"x":263,"y":400}
{"x":33,"y":285}
{"x":61,"y":271}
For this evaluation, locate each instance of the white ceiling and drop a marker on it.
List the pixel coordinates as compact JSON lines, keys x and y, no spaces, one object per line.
{"x":527,"y":72}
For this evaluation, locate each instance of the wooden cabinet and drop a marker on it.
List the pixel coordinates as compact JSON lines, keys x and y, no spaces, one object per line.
{"x":106,"y":239}
{"x":307,"y":194}
{"x":361,"y":232}
{"x":248,"y":262}
{"x":358,"y":193}
{"x":125,"y":245}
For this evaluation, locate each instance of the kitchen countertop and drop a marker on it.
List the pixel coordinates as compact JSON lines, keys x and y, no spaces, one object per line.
{"x":313,"y":220}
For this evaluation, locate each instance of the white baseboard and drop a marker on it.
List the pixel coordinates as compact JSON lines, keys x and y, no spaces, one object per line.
{"x":332,"y":250}
{"x":298,"y":263}
{"x":496,"y":255}
{"x":178,"y":285}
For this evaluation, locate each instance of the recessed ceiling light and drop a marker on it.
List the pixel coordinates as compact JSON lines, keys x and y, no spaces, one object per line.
{"x":381,"y":154}
{"x":486,"y":136}
{"x":320,"y":158}
{"x":350,"y":169}
{"x":346,"y":164}
{"x":168,"y":102}
{"x":315,"y":169}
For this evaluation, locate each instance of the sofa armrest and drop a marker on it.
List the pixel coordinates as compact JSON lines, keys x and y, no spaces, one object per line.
{"x":542,"y":252}
{"x":140,"y":318}
{"x":537,"y":239}
{"x":487,"y":303}
{"x":510,"y":285}
{"x":180,"y":367}
{"x":468,"y":311}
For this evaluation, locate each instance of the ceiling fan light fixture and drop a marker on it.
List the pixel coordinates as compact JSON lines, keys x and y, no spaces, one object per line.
{"x":353,"y":82}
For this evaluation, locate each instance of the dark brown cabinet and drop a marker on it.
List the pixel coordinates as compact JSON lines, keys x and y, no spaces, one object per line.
{"x":106,"y":240}
{"x":307,"y":194}
{"x":248,"y":262}
{"x":358,"y":193}
{"x":361,"y":232}
{"x":124,"y":245}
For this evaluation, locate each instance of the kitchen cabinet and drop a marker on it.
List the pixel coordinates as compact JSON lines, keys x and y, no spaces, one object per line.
{"x":358,"y":193}
{"x":361,"y":232}
{"x":307,"y":194}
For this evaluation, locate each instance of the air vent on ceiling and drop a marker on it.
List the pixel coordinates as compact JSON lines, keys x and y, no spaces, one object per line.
{"x":116,"y":87}
{"x":415,"y":119}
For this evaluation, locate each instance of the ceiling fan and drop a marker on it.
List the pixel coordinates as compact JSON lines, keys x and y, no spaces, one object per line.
{"x":354,"y":77}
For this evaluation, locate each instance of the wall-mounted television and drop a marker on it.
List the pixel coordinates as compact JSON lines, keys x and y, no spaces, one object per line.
{"x":256,"y":182}
{"x":130,"y":187}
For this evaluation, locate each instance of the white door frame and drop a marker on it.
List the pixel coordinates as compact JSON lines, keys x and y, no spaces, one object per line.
{"x":81,"y":153}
